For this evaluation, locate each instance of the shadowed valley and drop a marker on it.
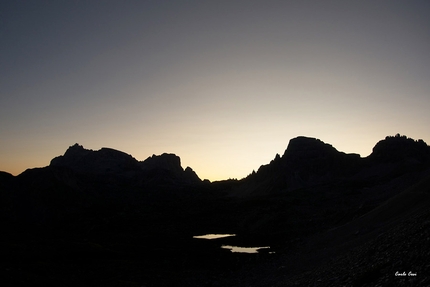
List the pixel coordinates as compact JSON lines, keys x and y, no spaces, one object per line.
{"x":103,"y":218}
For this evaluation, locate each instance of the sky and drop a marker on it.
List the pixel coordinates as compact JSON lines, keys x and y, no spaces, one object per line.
{"x":223,"y":84}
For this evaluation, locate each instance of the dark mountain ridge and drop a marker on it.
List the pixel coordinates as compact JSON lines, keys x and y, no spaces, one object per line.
{"x":81,"y":176}
{"x":305,"y":159}
{"x":310,"y":162}
{"x":110,"y":218}
{"x":114,"y":162}
{"x":105,"y":160}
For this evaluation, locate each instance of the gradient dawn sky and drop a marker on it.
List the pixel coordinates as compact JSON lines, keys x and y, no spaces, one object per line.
{"x":223,"y":84}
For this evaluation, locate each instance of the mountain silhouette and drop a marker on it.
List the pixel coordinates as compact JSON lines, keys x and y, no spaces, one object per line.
{"x":310,"y":162}
{"x":107,"y":217}
{"x":105,"y":160}
{"x":165,"y":168}
{"x":397,"y":148}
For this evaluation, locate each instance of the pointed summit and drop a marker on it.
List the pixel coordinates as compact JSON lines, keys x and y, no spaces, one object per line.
{"x":306,"y":162}
{"x":76,"y":150}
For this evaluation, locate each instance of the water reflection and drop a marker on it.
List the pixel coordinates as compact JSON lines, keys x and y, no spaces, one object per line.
{"x":213,"y":236}
{"x":243,"y":249}
{"x":230,"y":247}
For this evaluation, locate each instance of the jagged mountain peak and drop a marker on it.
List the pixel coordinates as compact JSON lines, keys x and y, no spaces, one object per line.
{"x":165,"y":167}
{"x":168,"y":165}
{"x":76,"y":150}
{"x":302,"y":148}
{"x":398,"y":147}
{"x":80,"y":159}
{"x":311,"y":162}
{"x":165,"y":160}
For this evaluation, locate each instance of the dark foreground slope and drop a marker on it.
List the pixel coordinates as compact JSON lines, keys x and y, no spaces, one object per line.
{"x":385,"y":247}
{"x":102,"y":218}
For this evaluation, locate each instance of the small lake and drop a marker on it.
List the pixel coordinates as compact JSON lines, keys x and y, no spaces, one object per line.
{"x":232,"y":248}
{"x":213,"y":236}
{"x":238,"y":249}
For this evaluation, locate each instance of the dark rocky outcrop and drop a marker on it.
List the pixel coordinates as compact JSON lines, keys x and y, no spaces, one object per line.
{"x":110,"y":220}
{"x":105,"y":160}
{"x":310,"y":162}
{"x":165,"y":161}
{"x":311,"y":159}
{"x":6,"y":179}
{"x":306,"y":162}
{"x":42,"y":196}
{"x":398,"y":148}
{"x":163,"y":169}
{"x":81,"y":178}
{"x":167,"y":168}
{"x":5,"y":176}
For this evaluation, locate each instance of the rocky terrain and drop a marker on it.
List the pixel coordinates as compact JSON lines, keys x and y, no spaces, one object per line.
{"x":102,"y":218}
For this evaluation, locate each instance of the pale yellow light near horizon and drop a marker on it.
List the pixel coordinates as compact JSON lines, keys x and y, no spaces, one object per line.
{"x":206,"y":161}
{"x":233,"y":144}
{"x":222,"y":126}
{"x":224,"y":86}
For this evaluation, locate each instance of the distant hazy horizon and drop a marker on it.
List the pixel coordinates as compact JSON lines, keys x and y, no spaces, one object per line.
{"x":184,"y":165}
{"x":223,"y":84}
